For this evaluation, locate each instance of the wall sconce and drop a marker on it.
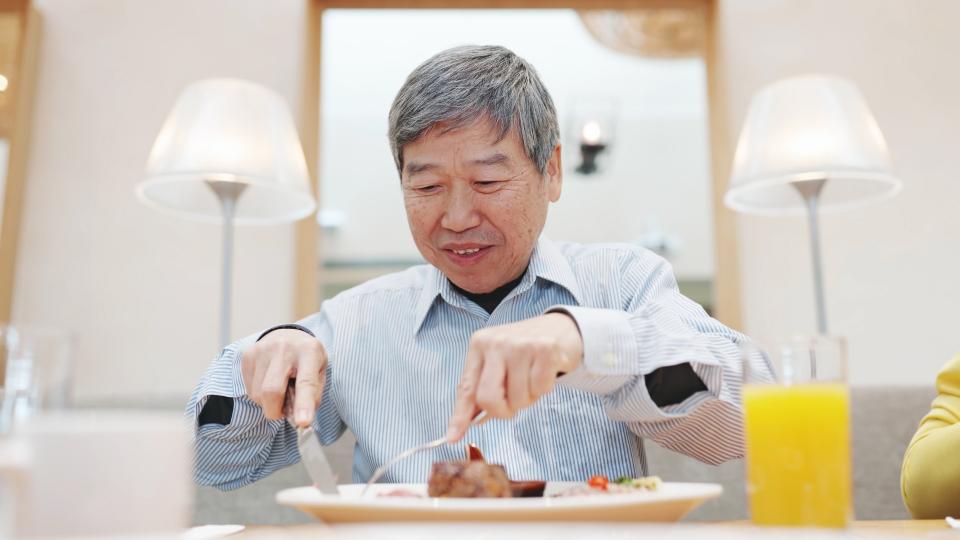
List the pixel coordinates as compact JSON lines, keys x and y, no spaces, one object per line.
{"x":591,"y":126}
{"x":591,"y":144}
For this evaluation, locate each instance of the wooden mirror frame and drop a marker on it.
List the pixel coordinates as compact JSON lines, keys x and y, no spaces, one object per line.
{"x":726,"y":253}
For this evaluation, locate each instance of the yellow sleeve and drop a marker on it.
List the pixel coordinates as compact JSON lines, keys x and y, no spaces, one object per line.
{"x":930,"y":477}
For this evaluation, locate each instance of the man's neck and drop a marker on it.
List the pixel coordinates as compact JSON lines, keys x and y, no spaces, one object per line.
{"x":490,"y":300}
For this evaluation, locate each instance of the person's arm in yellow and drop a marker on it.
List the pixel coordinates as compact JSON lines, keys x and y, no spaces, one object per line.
{"x":930,"y":477}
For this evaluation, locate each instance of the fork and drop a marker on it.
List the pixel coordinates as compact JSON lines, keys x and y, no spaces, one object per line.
{"x":381,"y":470}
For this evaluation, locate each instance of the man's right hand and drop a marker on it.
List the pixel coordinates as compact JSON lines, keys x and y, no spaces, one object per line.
{"x":282,"y":355}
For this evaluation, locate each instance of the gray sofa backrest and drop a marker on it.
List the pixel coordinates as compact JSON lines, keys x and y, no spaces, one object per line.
{"x":883,"y":418}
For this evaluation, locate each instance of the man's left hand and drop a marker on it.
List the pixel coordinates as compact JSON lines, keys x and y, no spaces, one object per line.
{"x":510,"y":366}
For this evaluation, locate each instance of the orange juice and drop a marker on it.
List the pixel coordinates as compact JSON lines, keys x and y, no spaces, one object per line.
{"x":798,"y":454}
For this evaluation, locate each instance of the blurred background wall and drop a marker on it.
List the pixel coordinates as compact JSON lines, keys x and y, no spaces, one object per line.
{"x":140,"y":289}
{"x":891,"y":270}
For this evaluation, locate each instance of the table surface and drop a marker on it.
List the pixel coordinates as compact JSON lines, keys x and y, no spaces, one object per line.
{"x":931,"y":529}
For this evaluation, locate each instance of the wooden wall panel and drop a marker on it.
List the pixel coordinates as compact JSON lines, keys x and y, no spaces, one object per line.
{"x":306,"y":292}
{"x":21,"y":92}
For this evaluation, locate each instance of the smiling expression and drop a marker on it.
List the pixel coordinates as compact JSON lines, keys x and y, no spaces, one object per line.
{"x":476,"y":205}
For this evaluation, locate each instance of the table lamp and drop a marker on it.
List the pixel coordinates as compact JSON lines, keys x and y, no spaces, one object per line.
{"x":228,"y":152}
{"x":810,"y":144}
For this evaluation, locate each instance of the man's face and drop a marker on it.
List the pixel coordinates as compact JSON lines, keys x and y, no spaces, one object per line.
{"x":476,"y":206}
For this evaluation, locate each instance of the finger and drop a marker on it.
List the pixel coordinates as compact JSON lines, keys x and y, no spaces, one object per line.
{"x":518,"y":387}
{"x":466,"y":405}
{"x":311,"y":374}
{"x":273,"y":388}
{"x":543,"y":376}
{"x":491,"y":389}
{"x":261,"y":361}
{"x":248,"y":367}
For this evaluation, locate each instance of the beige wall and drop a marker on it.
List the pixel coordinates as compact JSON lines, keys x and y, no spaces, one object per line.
{"x":140,"y":289}
{"x":892,"y":279}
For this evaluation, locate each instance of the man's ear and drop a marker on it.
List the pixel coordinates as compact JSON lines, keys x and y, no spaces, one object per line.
{"x":554,"y":174}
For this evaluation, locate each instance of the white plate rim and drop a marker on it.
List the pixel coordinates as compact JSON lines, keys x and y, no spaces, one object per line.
{"x":309,"y":496}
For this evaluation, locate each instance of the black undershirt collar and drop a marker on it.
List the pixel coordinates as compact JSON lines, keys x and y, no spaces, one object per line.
{"x":490,"y":300}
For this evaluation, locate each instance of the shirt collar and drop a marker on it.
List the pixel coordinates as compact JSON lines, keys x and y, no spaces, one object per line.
{"x":546,"y":262}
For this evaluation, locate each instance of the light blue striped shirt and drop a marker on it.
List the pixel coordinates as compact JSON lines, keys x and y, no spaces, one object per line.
{"x":396,"y":348}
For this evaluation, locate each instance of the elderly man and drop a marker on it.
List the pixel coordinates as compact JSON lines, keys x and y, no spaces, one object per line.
{"x":580,"y":352}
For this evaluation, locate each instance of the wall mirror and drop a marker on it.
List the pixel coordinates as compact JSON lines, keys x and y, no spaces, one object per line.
{"x":631,"y":93}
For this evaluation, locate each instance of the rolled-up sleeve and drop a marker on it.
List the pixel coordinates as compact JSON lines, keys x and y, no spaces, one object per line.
{"x":251,"y":447}
{"x":659,"y":327}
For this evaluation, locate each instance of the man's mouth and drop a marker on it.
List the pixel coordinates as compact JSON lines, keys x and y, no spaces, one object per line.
{"x":466,"y":255}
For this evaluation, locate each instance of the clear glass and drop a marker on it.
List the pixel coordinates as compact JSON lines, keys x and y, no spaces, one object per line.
{"x":38,"y":373}
{"x":798,"y":433}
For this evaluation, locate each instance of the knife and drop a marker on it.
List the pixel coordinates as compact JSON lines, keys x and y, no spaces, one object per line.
{"x":311,"y":452}
{"x":315,"y":461}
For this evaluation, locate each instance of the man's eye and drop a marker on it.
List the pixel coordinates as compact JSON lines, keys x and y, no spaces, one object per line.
{"x":426,"y":189}
{"x":487,"y":185}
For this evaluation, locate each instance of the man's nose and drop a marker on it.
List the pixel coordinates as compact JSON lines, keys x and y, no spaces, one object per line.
{"x":460,"y":213}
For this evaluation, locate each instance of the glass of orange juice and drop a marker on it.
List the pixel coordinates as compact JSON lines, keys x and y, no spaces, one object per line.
{"x":797,"y":430}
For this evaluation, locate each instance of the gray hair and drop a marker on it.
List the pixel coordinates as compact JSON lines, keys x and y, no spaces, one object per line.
{"x":462,"y":84}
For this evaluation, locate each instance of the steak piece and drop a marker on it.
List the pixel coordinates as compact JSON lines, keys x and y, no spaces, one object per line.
{"x":468,"y":479}
{"x":518,"y":488}
{"x":527,"y":488}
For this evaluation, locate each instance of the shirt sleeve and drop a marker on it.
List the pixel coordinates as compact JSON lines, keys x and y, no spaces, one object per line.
{"x":931,"y":467}
{"x":659,"y":327}
{"x":251,"y":447}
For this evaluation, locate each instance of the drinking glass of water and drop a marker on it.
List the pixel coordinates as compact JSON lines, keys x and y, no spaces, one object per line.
{"x":38,"y":372}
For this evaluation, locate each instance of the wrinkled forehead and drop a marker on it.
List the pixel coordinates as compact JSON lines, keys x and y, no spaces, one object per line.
{"x":484,"y":143}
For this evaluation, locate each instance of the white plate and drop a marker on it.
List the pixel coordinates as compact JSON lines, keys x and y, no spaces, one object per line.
{"x":670,"y":502}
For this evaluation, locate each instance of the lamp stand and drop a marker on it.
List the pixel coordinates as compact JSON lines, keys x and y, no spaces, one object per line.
{"x":810,"y":191}
{"x":228,"y":193}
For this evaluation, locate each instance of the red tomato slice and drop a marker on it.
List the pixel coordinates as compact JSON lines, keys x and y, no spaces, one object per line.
{"x":598,"y":481}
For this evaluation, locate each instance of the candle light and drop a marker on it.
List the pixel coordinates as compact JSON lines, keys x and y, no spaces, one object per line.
{"x":591,"y":133}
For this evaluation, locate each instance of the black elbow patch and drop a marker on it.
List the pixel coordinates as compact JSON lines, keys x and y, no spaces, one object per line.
{"x":673,"y":384}
{"x":217,"y":410}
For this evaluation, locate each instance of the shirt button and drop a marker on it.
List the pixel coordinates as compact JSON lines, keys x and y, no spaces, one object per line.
{"x":609,"y":359}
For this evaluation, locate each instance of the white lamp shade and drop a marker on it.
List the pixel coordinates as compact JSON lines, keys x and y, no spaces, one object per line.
{"x":229,"y":130}
{"x":807,"y":128}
